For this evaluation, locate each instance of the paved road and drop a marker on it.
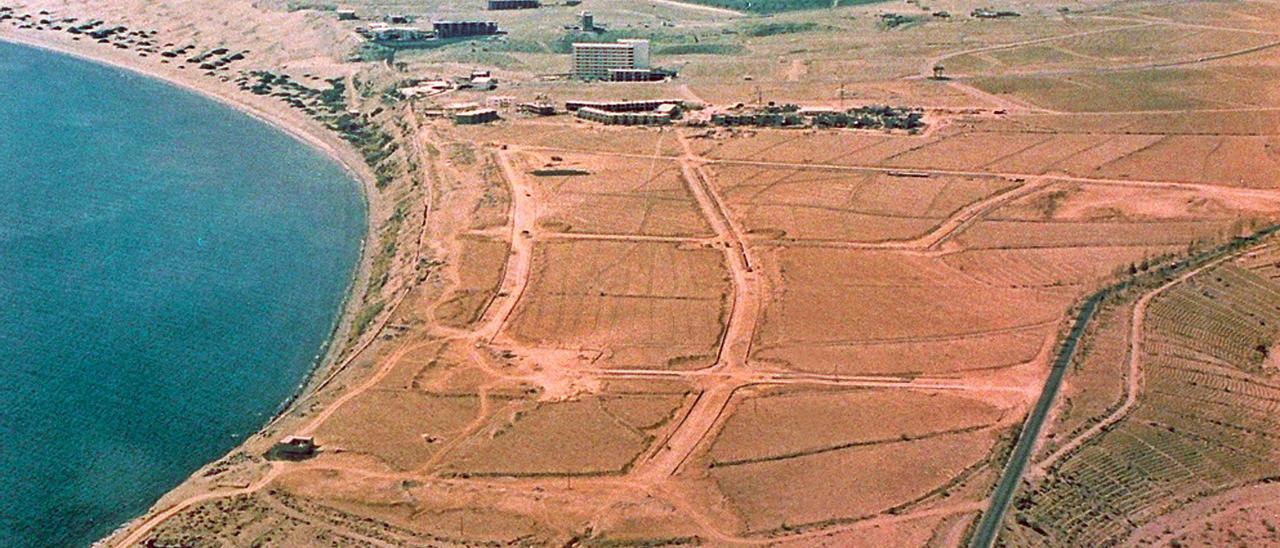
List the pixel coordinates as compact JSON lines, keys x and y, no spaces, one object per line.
{"x":989,"y":528}
{"x":985,"y":536}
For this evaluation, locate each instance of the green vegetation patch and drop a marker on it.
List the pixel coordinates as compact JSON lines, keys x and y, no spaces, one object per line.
{"x":702,"y":48}
{"x":773,"y":29}
{"x":364,"y":318}
{"x":559,"y":172}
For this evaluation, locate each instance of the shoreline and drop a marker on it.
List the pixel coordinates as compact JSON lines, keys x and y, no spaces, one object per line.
{"x":305,"y":131}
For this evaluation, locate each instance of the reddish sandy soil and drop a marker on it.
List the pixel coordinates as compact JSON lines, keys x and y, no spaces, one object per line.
{"x":684,"y":335}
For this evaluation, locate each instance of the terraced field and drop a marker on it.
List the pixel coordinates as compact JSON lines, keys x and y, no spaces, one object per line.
{"x":1204,"y":423}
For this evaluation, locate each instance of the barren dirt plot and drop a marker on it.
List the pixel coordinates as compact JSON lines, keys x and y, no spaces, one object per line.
{"x":1241,"y":15}
{"x":580,"y":193}
{"x":1108,"y":216}
{"x":777,"y":424}
{"x":826,"y":303}
{"x":821,"y":147}
{"x":909,"y":356}
{"x":1042,"y":234}
{"x":1244,"y":161}
{"x":816,"y":204}
{"x":407,"y":512}
{"x":1150,"y":89}
{"x":645,"y":304}
{"x":446,"y":368}
{"x":1205,"y":419}
{"x":1104,"y":203}
{"x":1003,"y":61}
{"x":777,"y":494}
{"x":478,"y":274}
{"x":1117,"y":48}
{"x":574,"y":136}
{"x":483,"y":511}
{"x":1225,"y":160}
{"x":258,"y":518}
{"x":400,"y":428}
{"x":965,"y":151}
{"x":489,"y":210}
{"x":577,"y":437}
{"x":1077,"y":126}
{"x":1044,"y":156}
{"x":1049,"y":267}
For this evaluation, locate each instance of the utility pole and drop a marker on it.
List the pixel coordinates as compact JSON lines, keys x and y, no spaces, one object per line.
{"x":840,"y":96}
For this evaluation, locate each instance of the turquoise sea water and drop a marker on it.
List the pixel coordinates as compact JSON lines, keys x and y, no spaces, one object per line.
{"x":169,"y":269}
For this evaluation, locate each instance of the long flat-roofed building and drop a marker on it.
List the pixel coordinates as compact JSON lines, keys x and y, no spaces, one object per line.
{"x":458,"y":29}
{"x":593,"y":60}
{"x":513,"y":4}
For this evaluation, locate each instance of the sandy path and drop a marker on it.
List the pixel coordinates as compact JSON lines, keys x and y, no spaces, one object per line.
{"x":972,"y":213}
{"x":735,"y":346}
{"x":524,"y":217}
{"x":796,"y":70}
{"x":147,"y":526}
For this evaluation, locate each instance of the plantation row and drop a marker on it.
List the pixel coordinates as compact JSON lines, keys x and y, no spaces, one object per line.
{"x":1229,"y":314}
{"x":1203,"y":424}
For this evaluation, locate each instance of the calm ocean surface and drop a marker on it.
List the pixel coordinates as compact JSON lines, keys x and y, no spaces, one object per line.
{"x":169,"y":268}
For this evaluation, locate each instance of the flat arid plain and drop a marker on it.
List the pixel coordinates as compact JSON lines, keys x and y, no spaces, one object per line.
{"x":567,"y":333}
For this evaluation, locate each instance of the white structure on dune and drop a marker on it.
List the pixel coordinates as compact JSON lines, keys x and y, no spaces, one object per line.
{"x":594,"y":60}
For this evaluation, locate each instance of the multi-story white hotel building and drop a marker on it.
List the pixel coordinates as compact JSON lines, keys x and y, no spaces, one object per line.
{"x":596,"y":60}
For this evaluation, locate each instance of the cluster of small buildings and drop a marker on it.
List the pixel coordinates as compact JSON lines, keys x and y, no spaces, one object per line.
{"x":586,"y":23}
{"x":621,"y":113}
{"x":793,"y":116}
{"x":625,"y":60}
{"x":758,"y":119}
{"x":397,"y":31}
